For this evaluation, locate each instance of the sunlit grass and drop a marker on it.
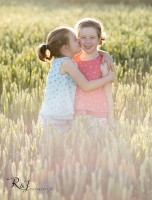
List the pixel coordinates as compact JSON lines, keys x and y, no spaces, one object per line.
{"x":109,"y":165}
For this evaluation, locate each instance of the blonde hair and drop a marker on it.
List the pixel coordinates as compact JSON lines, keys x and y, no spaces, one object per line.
{"x":90,"y":22}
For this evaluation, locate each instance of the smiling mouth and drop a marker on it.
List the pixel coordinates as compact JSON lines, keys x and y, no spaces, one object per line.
{"x":87,"y":46}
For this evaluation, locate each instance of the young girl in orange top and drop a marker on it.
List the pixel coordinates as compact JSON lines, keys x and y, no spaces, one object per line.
{"x":98,"y":104}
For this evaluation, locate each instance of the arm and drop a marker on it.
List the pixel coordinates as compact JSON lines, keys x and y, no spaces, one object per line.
{"x":106,"y":58}
{"x":108,"y":91}
{"x":68,"y":66}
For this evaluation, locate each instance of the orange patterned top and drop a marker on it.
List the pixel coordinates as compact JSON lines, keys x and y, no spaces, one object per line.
{"x":93,"y":103}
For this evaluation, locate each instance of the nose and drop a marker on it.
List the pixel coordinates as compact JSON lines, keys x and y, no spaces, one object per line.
{"x":87,"y":40}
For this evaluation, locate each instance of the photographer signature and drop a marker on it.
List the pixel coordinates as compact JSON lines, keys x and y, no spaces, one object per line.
{"x":24,"y":186}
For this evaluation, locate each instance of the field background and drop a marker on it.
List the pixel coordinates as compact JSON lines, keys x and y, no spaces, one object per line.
{"x":115,"y":165}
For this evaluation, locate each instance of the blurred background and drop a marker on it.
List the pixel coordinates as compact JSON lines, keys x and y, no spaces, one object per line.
{"x":116,"y":165}
{"x":78,"y":1}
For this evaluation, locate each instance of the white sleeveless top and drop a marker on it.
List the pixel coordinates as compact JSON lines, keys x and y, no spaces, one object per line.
{"x":59,"y":93}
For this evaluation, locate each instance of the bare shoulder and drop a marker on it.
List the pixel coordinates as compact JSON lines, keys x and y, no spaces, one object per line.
{"x":67,"y":64}
{"x":68,"y":61}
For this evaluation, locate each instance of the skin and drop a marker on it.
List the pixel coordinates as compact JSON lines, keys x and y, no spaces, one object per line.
{"x":89,"y":41}
{"x":108,"y":91}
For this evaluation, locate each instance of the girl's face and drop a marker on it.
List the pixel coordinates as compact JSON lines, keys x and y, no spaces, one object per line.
{"x":89,"y":39}
{"x":74,"y":44}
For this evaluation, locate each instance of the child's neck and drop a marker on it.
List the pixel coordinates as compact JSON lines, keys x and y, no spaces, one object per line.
{"x":89,"y":56}
{"x":68,"y":54}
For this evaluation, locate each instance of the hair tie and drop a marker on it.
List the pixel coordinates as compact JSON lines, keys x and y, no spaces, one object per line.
{"x":46,"y":46}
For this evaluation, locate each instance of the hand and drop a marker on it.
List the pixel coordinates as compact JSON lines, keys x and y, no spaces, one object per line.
{"x":108,"y":59}
{"x":104,"y":69}
{"x":111,"y":76}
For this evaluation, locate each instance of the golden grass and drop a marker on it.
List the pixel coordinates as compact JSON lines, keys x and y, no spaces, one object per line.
{"x":108,"y":165}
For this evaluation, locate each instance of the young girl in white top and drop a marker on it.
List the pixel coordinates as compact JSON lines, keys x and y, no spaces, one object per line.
{"x":58,"y":105}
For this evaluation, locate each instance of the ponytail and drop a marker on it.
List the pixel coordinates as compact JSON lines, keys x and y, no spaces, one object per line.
{"x":44,"y":53}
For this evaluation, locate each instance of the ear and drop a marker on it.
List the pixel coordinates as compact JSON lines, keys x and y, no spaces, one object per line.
{"x":100,"y":40}
{"x":65,"y":48}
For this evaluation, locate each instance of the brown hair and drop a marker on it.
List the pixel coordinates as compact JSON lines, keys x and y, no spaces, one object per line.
{"x":90,"y":22}
{"x":54,"y":42}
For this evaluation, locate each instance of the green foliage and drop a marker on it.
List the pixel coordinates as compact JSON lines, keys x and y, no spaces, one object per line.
{"x":115,"y":164}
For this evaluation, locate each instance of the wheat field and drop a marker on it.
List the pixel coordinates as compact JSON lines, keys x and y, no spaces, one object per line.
{"x":108,"y":165}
